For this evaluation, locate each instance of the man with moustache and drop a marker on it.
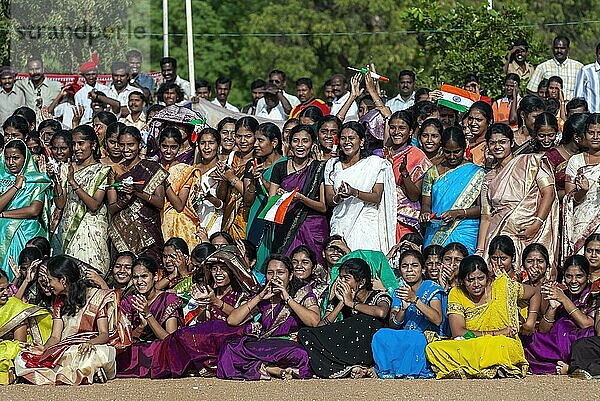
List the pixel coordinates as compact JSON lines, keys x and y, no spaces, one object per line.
{"x":117,"y":96}
{"x":136,"y":77}
{"x":39,"y":91}
{"x":11,"y":98}
{"x":340,"y":90}
{"x":406,"y":92}
{"x":89,"y":71}
{"x":560,"y":65}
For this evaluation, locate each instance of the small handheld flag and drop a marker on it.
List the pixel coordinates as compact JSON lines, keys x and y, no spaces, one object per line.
{"x":277,"y":207}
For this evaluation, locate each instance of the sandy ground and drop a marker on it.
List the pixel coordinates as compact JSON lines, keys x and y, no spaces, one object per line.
{"x":532,"y":388}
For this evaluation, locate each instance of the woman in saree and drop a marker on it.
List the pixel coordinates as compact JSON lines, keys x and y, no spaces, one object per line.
{"x":569,"y":316}
{"x":118,"y":278}
{"x":153,"y":314}
{"x":208,"y":206}
{"x":518,"y":198}
{"x":582,"y":188}
{"x":341,"y":346}
{"x":226,"y":129}
{"x":328,"y":132}
{"x":592,"y":254}
{"x":24,"y":202}
{"x":221,"y":284}
{"x":101,"y":121}
{"x":430,"y":139}
{"x":307,"y":270}
{"x":451,"y":191}
{"x":361,"y":190}
{"x":266,"y":350}
{"x":433,"y":255}
{"x":257,"y":177}
{"x":135,"y":208}
{"x":530,"y":107}
{"x":502,"y":258}
{"x":231,"y":172}
{"x":305,"y":222}
{"x":570,"y":144}
{"x":409,"y":165}
{"x":417,"y":306}
{"x":479,"y":119}
{"x":452,"y":256}
{"x":179,"y":217}
{"x":20,"y":323}
{"x":484,"y":321}
{"x":83,"y":227}
{"x":545,"y":132}
{"x":110,"y":148}
{"x":86,"y":328}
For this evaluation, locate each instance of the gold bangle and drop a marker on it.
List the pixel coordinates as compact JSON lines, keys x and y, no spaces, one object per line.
{"x":547,"y":320}
{"x":573,"y":311}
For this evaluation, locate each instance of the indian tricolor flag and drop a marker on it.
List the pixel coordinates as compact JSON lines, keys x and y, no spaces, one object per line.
{"x":457,"y":98}
{"x":277,"y":206}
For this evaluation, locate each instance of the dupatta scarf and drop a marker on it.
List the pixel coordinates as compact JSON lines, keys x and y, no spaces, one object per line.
{"x":37,"y":187}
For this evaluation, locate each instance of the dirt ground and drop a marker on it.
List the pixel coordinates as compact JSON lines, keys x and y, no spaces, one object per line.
{"x":531,"y":388}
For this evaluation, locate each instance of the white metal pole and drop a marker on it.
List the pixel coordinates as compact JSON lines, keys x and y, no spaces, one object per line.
{"x":165,"y":5}
{"x":190,"y":46}
{"x":490,"y":4}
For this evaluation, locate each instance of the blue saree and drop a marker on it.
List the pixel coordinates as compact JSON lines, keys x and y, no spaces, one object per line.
{"x":15,"y":233}
{"x":401,"y":353}
{"x":458,"y":188}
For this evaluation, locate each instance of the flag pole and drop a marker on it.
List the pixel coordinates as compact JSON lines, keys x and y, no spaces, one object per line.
{"x":190,"y":46}
{"x":165,"y":6}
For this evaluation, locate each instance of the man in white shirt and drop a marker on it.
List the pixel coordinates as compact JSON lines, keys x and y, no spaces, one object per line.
{"x":117,"y":96}
{"x":223,"y":87}
{"x":271,"y":109}
{"x":11,"y":97}
{"x":560,"y":65}
{"x":286,"y":101}
{"x":168,"y":69}
{"x":406,"y":92}
{"x":89,"y":71}
{"x":340,"y":89}
{"x":587,"y":85}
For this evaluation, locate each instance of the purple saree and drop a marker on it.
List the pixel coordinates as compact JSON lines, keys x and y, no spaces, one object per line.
{"x":135,"y":360}
{"x":244,"y":357}
{"x":544,"y":350}
{"x":196,"y":347}
{"x":302,"y":225}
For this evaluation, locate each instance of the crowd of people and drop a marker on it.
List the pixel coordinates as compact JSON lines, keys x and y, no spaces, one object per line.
{"x":420,"y":241}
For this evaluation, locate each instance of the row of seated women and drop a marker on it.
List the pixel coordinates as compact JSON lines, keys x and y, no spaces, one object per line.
{"x":440,"y":313}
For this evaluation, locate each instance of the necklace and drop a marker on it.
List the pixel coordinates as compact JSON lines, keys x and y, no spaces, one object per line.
{"x":299,"y":167}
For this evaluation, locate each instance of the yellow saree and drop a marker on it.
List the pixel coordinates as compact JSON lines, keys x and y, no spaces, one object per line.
{"x":13,"y":314}
{"x":183,"y":225}
{"x":487,"y":356}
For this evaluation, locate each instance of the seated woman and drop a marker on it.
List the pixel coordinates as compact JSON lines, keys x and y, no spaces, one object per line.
{"x":135,"y":208}
{"x":24,"y":202}
{"x":591,"y":250}
{"x":263,"y":352}
{"x":484,"y":320}
{"x":305,"y":222}
{"x":154,"y":314}
{"x":399,"y":352}
{"x":307,"y":270}
{"x":343,"y":348}
{"x":119,"y":276}
{"x":452,"y":256}
{"x":433,"y":255}
{"x":451,"y":191}
{"x":222,"y":284}
{"x":502,"y":257}
{"x":85,"y":331}
{"x":19,"y":323}
{"x":584,"y":362}
{"x":568,"y":317}
{"x":24,"y":285}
